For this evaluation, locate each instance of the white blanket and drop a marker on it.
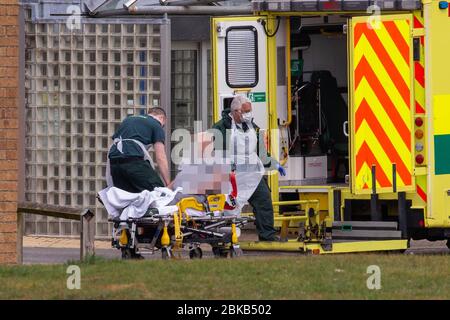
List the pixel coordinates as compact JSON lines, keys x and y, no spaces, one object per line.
{"x":134,"y":205}
{"x":128,"y":205}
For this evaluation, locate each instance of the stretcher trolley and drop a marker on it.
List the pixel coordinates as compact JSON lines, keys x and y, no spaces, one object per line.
{"x":169,"y":233}
{"x":177,"y":231}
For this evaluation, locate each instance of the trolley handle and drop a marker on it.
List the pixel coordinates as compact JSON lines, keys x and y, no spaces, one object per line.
{"x":233,"y":184}
{"x":232,"y":196}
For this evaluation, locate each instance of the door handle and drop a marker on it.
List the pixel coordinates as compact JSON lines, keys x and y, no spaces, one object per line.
{"x":345,"y":128}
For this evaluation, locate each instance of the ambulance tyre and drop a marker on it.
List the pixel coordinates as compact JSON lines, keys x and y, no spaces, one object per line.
{"x":196,"y":253}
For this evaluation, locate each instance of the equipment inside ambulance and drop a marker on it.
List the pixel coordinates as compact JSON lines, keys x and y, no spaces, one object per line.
{"x":318,"y":143}
{"x":314,"y":143}
{"x":320,"y":117}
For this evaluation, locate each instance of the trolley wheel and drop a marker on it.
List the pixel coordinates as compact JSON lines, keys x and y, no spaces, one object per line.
{"x":235,"y":252}
{"x":166,"y":253}
{"x":196,"y":253}
{"x":448,"y":243}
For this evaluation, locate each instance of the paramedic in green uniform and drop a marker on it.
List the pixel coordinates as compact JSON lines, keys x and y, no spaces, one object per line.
{"x":130,"y":164}
{"x":239,"y":118}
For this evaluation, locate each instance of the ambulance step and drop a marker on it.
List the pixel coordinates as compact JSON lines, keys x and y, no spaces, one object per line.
{"x":365,"y":230}
{"x":367,"y":235}
{"x":365,"y":225}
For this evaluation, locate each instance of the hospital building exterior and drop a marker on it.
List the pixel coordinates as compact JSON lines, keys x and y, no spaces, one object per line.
{"x":66,"y":82}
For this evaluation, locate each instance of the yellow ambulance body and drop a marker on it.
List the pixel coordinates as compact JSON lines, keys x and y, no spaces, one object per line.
{"x":390,"y":182}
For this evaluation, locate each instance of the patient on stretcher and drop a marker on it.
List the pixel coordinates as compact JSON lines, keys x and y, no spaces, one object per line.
{"x":210,"y":177}
{"x":194,"y":181}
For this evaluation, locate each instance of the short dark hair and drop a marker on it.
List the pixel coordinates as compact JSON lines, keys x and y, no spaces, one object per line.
{"x":157,"y":111}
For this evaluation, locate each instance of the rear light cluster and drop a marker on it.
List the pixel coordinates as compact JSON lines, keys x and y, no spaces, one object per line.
{"x":419,"y":134}
{"x":333,"y":5}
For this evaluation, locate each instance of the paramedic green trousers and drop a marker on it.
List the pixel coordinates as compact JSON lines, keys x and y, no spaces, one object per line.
{"x":261,"y":201}
{"x":135,"y":176}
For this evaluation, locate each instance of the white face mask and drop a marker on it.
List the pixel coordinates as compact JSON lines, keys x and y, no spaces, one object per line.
{"x":247,"y":117}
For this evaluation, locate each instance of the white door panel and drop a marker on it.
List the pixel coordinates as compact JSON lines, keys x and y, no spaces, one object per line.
{"x":238,"y":69}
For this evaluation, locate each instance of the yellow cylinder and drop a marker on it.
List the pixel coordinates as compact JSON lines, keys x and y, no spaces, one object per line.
{"x":123,"y":240}
{"x":234,"y":237}
{"x":177,"y":230}
{"x":165,"y":240}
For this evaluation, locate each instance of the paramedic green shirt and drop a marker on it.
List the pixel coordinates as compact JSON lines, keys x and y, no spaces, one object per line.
{"x":143,"y":128}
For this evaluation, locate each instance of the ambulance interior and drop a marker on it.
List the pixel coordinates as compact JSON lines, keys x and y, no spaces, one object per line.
{"x":318,"y":142}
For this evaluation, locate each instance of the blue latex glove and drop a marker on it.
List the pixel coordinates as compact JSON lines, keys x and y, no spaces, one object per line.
{"x":281,"y":170}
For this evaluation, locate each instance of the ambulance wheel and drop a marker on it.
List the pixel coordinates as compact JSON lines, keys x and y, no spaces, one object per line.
{"x":195,"y":253}
{"x":166,"y":253}
{"x":448,"y":243}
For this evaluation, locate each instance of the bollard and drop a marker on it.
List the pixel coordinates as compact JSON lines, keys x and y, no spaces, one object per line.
{"x":87,"y":236}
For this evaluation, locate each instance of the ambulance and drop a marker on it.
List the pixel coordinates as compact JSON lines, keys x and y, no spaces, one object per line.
{"x":354,"y":97}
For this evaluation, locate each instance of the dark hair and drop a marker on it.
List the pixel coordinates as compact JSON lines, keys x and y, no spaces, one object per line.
{"x":157,"y":111}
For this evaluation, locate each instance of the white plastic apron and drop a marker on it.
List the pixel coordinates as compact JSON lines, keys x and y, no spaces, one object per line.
{"x":119,"y":143}
{"x":249,"y":168}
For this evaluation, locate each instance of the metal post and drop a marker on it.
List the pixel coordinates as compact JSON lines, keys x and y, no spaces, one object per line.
{"x":394,"y":177}
{"x":374,"y":212}
{"x":87,"y":236}
{"x":402,"y":218}
{"x":337,"y":205}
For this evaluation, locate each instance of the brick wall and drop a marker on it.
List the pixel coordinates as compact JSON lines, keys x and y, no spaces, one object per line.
{"x":9,"y":128}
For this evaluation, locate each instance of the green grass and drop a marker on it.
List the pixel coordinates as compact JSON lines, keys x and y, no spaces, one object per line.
{"x":285,"y":277}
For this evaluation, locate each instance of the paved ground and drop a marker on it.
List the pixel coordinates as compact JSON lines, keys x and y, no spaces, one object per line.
{"x":40,"y":255}
{"x":52,"y":242}
{"x":46,"y":250}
